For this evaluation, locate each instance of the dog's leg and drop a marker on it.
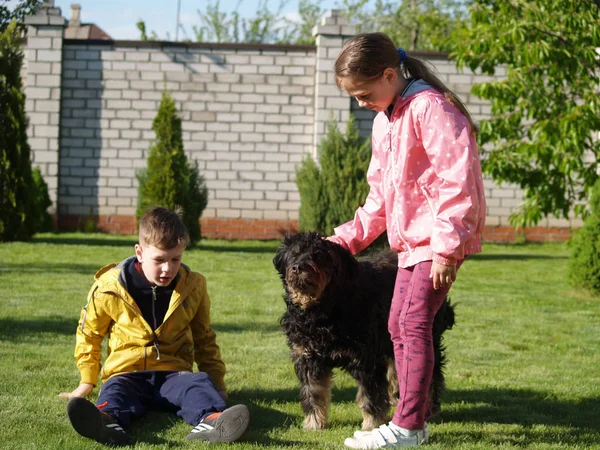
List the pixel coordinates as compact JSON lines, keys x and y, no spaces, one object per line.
{"x":315,"y":392}
{"x":444,"y":320}
{"x":438,"y":383}
{"x":392,"y":380}
{"x":373,"y":395}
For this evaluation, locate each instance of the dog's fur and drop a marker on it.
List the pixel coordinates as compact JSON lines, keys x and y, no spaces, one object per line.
{"x":337,"y":316}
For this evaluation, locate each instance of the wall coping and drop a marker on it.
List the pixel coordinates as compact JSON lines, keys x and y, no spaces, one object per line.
{"x":221,"y":46}
{"x":204,"y":45}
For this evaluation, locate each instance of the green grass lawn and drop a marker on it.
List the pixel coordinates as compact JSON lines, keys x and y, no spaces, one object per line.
{"x":523,"y":359}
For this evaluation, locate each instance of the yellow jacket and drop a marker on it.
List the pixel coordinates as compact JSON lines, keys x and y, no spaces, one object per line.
{"x":184,"y":336}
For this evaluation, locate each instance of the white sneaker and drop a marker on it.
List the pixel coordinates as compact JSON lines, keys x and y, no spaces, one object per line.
{"x":360,"y":433}
{"x":387,"y":436}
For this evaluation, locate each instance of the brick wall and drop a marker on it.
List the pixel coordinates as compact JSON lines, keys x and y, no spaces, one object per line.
{"x":250,"y":115}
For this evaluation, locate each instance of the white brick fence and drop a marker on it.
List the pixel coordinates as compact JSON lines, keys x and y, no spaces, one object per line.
{"x":250,"y":115}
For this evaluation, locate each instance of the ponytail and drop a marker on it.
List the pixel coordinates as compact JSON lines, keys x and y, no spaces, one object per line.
{"x":366,"y":56}
{"x":414,"y":67}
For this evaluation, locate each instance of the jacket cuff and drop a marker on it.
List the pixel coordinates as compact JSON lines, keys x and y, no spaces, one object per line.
{"x":338,"y":240}
{"x":444,"y":261}
{"x":87,"y":376}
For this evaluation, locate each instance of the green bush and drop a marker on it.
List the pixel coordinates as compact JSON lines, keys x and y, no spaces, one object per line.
{"x":23,"y":193}
{"x":169,"y":180}
{"x":584,"y":262}
{"x":43,"y":220}
{"x":331,"y":191}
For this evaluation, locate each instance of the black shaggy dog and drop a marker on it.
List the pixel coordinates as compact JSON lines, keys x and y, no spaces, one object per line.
{"x":337,"y":314}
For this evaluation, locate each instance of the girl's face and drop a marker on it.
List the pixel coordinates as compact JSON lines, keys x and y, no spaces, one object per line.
{"x":159,"y":266}
{"x":376,"y":94}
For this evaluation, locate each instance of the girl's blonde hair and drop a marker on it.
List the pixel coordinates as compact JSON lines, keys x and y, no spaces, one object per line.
{"x":366,"y":56}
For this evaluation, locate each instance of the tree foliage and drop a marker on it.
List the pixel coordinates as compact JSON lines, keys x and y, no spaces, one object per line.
{"x":23,"y":195}
{"x":546,"y":113}
{"x":425,"y":25}
{"x":331,"y":191}
{"x":414,"y":24}
{"x":169,"y":180}
{"x":21,"y":9}
{"x":584,"y":263}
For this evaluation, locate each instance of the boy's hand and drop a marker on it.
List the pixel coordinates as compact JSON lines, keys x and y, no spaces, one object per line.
{"x":81,"y":391}
{"x":224,"y":395}
{"x":442,"y":275}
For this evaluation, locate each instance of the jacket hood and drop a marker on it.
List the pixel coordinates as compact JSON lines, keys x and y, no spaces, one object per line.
{"x":414,"y":86}
{"x":112,"y":277}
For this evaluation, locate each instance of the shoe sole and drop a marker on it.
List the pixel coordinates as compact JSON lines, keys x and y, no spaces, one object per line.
{"x":87,"y":421}
{"x":229,"y":427}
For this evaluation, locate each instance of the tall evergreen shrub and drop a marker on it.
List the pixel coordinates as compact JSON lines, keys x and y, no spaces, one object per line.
{"x":331,"y":191}
{"x":23,"y":198}
{"x":169,"y":180}
{"x":584,"y":262}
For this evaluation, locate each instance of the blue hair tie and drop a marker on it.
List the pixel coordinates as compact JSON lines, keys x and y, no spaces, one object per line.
{"x":402,"y":55}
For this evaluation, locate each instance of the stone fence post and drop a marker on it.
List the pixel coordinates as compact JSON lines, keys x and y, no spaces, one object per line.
{"x":45,"y":33}
{"x":330,"y":101}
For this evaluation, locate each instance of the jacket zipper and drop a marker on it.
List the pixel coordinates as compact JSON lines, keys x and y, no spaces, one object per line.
{"x":153,"y":316}
{"x":155,"y":325}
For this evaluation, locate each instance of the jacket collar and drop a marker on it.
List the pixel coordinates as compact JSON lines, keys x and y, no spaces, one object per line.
{"x":413,"y":87}
{"x":112,"y":278}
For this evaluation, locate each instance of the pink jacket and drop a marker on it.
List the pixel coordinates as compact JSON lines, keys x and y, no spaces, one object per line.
{"x":426,"y":183}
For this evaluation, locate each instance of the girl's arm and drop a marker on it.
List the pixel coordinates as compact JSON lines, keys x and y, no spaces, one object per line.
{"x":369,"y":220}
{"x":452,"y":151}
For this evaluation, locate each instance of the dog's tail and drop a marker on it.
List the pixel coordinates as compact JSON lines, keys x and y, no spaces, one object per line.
{"x":444,"y":320}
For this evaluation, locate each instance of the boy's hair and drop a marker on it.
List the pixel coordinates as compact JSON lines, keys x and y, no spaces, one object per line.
{"x":163,"y":229}
{"x":366,"y":56}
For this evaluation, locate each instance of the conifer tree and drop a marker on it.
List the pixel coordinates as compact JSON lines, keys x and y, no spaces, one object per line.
{"x":169,"y":180}
{"x":331,"y":191}
{"x":23,"y":199}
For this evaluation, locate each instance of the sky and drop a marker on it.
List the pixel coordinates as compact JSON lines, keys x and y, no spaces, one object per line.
{"x":118,"y":17}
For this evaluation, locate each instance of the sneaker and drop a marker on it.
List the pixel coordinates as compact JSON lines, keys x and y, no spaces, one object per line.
{"x":92,"y":423}
{"x":387,"y":436}
{"x":226,"y":426}
{"x":360,"y":433}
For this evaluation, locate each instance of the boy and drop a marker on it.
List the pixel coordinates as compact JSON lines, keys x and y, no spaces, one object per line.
{"x":156,"y":313}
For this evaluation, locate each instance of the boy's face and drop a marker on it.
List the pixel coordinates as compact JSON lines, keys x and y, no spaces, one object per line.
{"x":159,"y":266}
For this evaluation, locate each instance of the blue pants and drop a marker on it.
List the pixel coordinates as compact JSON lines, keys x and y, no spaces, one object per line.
{"x":192,"y":396}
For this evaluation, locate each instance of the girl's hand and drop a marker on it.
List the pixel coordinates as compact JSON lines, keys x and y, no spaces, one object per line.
{"x":81,"y":391}
{"x":442,"y":275}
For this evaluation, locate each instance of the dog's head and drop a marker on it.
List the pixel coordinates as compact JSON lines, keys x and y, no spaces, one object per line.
{"x":307,"y":263}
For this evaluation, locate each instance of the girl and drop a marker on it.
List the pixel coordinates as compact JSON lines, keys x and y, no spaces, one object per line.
{"x":426,"y":189}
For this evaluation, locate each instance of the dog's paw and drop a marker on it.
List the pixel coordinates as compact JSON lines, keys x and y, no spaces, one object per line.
{"x":313,"y":422}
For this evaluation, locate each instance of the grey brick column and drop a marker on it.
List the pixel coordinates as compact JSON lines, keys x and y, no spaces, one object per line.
{"x":45,"y":33}
{"x":330,"y":101}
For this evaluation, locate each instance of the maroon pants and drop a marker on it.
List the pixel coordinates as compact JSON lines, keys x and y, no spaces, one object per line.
{"x":413,"y":309}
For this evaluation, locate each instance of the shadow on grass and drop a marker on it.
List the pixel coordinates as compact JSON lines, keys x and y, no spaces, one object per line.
{"x":266,"y":247}
{"x":263,"y":421}
{"x":13,"y":329}
{"x":68,"y":268}
{"x":83,"y":240}
{"x":536,"y":413}
{"x":521,"y":406}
